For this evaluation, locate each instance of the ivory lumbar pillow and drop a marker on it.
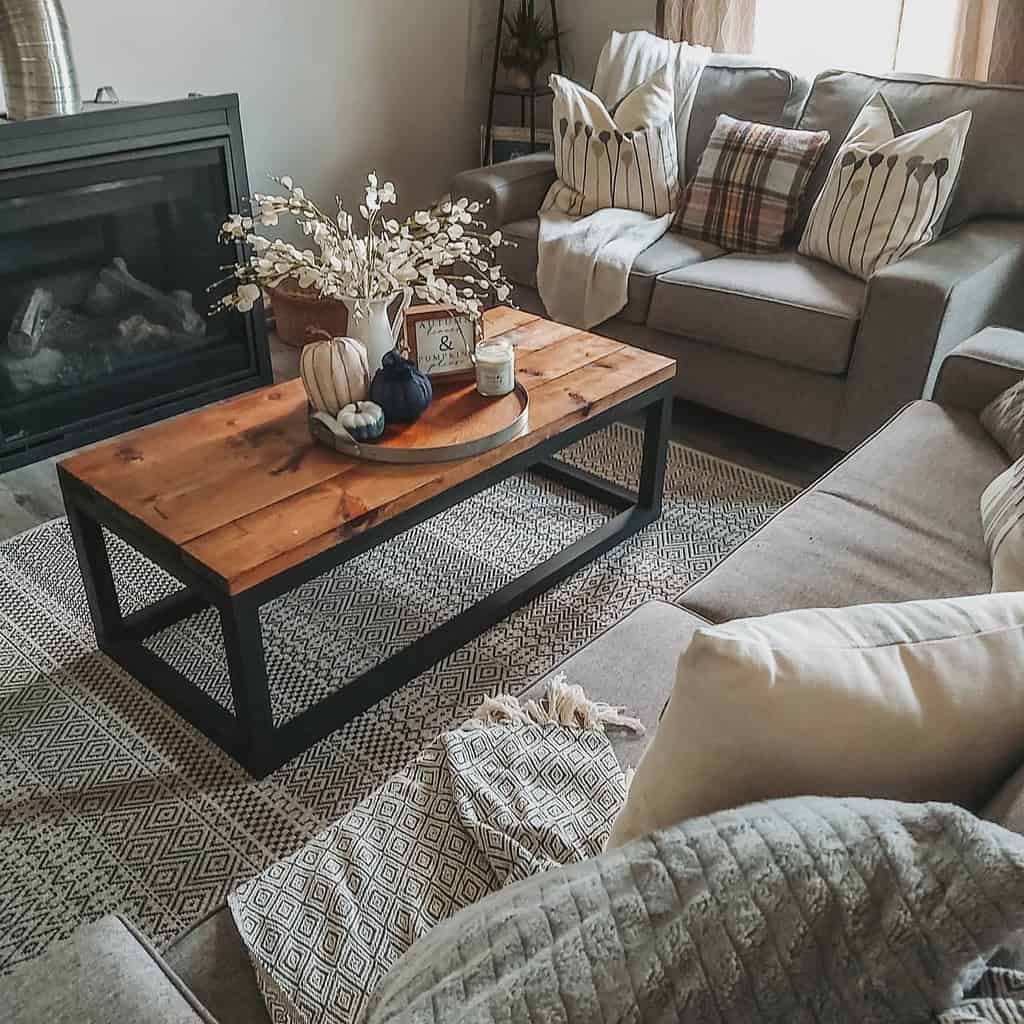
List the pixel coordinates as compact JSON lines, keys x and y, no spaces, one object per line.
{"x":887,"y":192}
{"x":627,"y":160}
{"x":917,"y":701}
{"x":1002,"y":518}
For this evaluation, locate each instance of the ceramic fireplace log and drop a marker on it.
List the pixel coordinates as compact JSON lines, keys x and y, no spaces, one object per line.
{"x":71,"y":332}
{"x":30,"y":321}
{"x":118,"y":288}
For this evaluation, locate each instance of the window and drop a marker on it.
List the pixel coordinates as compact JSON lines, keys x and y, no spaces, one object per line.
{"x":868,"y":35}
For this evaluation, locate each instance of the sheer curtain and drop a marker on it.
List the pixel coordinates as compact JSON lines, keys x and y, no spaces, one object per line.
{"x":725,"y":25}
{"x":976,"y":39}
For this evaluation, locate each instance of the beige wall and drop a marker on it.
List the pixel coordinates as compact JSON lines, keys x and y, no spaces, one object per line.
{"x":590,"y":22}
{"x":329,"y":88}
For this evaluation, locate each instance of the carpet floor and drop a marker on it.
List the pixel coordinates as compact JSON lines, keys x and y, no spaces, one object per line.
{"x":109,"y":801}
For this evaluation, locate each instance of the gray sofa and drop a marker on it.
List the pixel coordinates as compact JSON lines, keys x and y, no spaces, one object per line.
{"x":789,"y":342}
{"x":896,"y":520}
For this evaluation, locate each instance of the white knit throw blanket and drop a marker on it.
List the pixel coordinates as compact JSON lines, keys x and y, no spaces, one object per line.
{"x":584,"y":263}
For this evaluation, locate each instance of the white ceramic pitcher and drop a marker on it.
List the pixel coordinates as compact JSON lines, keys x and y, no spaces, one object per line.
{"x":379,"y":334}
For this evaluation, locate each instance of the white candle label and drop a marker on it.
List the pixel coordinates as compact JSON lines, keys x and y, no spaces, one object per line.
{"x":495,"y":369}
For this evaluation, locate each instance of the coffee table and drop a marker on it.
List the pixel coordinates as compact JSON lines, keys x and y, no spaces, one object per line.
{"x":240,"y":505}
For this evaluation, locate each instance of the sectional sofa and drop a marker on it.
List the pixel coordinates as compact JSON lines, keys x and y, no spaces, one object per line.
{"x":896,"y":520}
{"x":794,"y":343}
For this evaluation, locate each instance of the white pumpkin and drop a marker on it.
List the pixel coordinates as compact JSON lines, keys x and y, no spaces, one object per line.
{"x":364,"y":421}
{"x":335,"y":373}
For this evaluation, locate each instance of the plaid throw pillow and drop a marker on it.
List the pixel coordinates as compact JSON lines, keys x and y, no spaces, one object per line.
{"x":746,"y":193}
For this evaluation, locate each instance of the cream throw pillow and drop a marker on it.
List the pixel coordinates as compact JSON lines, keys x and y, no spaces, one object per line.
{"x":626,"y":160}
{"x":1002,"y":517}
{"x":887,"y":193}
{"x":917,"y":701}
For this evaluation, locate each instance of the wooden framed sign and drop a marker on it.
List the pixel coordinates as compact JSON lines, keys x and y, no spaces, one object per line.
{"x":441,"y":342}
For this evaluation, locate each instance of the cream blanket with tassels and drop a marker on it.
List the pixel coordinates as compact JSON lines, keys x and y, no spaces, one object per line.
{"x":520,"y":789}
{"x":584,"y":263}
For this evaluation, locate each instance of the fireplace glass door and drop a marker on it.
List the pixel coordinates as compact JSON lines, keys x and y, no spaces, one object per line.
{"x":104,"y":269}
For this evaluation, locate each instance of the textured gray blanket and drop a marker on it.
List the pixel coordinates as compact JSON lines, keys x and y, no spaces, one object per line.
{"x":807,"y":910}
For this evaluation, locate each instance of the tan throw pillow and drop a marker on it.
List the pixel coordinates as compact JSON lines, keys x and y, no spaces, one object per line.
{"x":746,"y":194}
{"x":916,"y":701}
{"x":887,"y":192}
{"x":627,"y":160}
{"x":1003,"y":418}
{"x":1002,"y":518}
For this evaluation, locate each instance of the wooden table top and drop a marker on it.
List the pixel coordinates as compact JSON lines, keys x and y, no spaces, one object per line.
{"x":243,"y":490}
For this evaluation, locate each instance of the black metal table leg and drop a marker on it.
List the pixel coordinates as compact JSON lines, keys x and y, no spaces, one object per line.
{"x":657,"y":423}
{"x":97,"y":576}
{"x":247,"y":666}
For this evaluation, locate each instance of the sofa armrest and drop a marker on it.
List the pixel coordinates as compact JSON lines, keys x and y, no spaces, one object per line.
{"x":105,"y":972}
{"x":919,"y":309}
{"x":513,"y":190}
{"x":981,"y":368}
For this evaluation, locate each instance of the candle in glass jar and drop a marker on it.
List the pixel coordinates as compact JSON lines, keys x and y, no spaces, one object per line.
{"x":495,"y":368}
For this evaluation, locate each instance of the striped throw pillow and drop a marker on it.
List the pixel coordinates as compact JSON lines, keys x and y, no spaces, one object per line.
{"x":887,"y":192}
{"x":627,"y":160}
{"x":1003,"y":418}
{"x":1002,"y":519}
{"x":746,"y":194}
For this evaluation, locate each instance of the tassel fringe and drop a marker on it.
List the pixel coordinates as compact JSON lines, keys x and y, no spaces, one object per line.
{"x":564,"y":704}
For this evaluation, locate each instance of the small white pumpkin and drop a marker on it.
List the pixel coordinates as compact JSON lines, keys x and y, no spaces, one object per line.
{"x":363,"y":420}
{"x":335,"y":373}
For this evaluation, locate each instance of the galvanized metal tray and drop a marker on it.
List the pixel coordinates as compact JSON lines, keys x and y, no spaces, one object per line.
{"x":458,"y":424}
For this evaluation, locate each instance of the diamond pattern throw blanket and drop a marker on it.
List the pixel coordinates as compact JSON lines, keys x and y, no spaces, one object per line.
{"x":475,"y":811}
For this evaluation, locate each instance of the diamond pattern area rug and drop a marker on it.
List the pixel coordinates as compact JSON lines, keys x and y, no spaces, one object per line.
{"x":109,"y":801}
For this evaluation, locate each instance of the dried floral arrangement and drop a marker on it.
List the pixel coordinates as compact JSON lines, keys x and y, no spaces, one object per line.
{"x":443,"y":255}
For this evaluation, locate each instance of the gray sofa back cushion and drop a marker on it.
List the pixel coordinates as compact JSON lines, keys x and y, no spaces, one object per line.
{"x":992,"y":178}
{"x":731,"y":85}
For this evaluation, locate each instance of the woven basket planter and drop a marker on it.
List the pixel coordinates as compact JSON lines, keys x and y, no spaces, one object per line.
{"x":296,"y":310}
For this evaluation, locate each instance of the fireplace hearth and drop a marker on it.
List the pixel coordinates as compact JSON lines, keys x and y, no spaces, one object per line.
{"x":108,"y":242}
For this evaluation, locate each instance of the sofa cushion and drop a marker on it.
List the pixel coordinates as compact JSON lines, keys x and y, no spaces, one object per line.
{"x":896,"y":520}
{"x":742,"y":89}
{"x":779,"y":306}
{"x":992,"y":176}
{"x":104,"y":972}
{"x":632,"y":664}
{"x":668,"y":253}
{"x":520,"y":261}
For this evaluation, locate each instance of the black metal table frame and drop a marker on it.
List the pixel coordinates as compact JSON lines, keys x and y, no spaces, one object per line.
{"x":249,"y":735}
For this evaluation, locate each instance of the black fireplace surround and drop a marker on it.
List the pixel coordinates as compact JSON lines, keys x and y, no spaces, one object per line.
{"x":108,"y":243}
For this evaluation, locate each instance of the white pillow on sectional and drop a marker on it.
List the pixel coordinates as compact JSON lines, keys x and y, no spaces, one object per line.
{"x":1002,"y":517}
{"x":917,"y":701}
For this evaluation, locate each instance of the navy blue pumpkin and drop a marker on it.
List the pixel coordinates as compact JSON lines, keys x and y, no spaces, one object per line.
{"x":400,"y":389}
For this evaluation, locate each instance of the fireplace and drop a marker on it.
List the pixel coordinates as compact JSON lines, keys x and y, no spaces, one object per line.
{"x":108,"y":243}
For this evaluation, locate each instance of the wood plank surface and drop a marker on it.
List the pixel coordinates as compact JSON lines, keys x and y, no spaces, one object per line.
{"x":241,"y":487}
